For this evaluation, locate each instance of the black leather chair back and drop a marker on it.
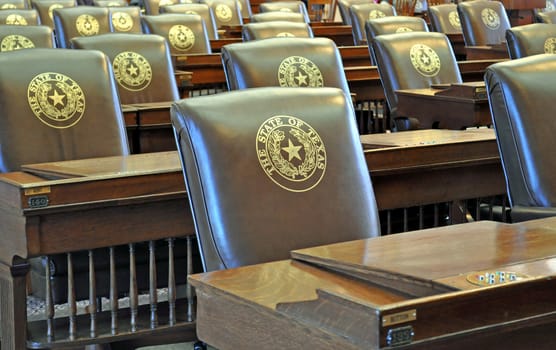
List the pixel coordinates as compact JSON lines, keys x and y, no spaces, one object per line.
{"x":343,"y":7}
{"x":152,"y":7}
{"x":45,"y":9}
{"x":413,"y":60}
{"x":269,"y":170}
{"x":226,"y":12}
{"x":266,"y":30}
{"x":20,"y":17}
{"x":186,"y":34}
{"x":55,"y":110}
{"x":286,"y":7}
{"x":71,"y":22}
{"x":202,"y":10}
{"x":361,"y":13}
{"x":531,"y":39}
{"x":278,"y":16}
{"x":125,"y":19}
{"x":521,"y":95}
{"x":286,"y":62}
{"x":25,"y":37}
{"x":152,"y":76}
{"x":483,"y":22}
{"x":444,"y":18}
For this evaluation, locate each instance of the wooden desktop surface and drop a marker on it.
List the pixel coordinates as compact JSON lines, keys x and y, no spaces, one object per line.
{"x":353,"y":295}
{"x":434,"y":109}
{"x":44,"y":208}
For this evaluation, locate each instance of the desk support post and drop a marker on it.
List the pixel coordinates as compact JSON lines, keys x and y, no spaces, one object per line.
{"x":13,"y":309}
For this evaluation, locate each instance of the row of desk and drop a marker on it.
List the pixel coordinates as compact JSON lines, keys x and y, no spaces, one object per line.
{"x":77,"y":205}
{"x":149,"y":124}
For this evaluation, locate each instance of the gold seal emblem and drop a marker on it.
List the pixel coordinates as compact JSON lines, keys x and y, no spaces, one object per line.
{"x":403,"y":30}
{"x":8,"y":6}
{"x":87,"y":25}
{"x":16,"y":20}
{"x":181,"y":37}
{"x":52,"y":8}
{"x":132,"y":71}
{"x":490,"y":18}
{"x":297,"y":71}
{"x":122,"y":21}
{"x":15,"y":42}
{"x":453,"y":18}
{"x":550,"y":45}
{"x":56,"y":99}
{"x":285,"y":35}
{"x":376,"y":14}
{"x":425,"y":60}
{"x":223,"y":12}
{"x":291,"y":153}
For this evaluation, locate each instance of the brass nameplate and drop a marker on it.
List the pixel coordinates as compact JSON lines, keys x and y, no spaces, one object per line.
{"x":400,"y":317}
{"x":36,"y":190}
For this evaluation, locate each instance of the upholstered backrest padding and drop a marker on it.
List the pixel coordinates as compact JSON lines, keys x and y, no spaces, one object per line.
{"x":269,"y":170}
{"x":54,"y":109}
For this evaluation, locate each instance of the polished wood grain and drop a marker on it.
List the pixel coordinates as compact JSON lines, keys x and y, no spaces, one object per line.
{"x":487,"y":52}
{"x":287,"y":308}
{"x":433,"y":166}
{"x":434,"y":110}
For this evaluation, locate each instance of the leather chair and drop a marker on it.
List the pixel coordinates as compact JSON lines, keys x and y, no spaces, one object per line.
{"x":547,"y":16}
{"x":483,"y":22}
{"x":13,"y":4}
{"x":202,"y":10}
{"x":80,"y":21}
{"x":278,"y":17}
{"x":28,"y":17}
{"x":110,"y":3}
{"x":343,"y":7}
{"x":285,"y":62}
{"x":521,"y":92}
{"x":397,"y":58}
{"x":25,"y":37}
{"x":186,"y":34}
{"x":444,"y":18}
{"x":244,"y":8}
{"x":125,"y":19}
{"x":149,"y":53}
{"x":304,"y":184}
{"x":35,"y":129}
{"x":361,"y":13}
{"x":152,"y":7}
{"x":285,"y":6}
{"x":265,"y":30}
{"x":226,"y":12}
{"x":45,"y":9}
{"x":531,"y":39}
{"x":392,"y":25}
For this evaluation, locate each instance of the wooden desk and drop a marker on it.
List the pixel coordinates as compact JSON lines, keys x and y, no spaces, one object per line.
{"x":149,"y":127}
{"x":489,"y":52}
{"x":101,"y":203}
{"x":521,"y":12}
{"x":334,"y":297}
{"x":143,"y":198}
{"x":433,"y":166}
{"x":443,"y":111}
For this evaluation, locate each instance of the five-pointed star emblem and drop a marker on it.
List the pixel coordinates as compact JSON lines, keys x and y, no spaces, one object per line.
{"x":57,"y":99}
{"x":301,"y":79}
{"x":293,"y":151}
{"x":132,"y":70}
